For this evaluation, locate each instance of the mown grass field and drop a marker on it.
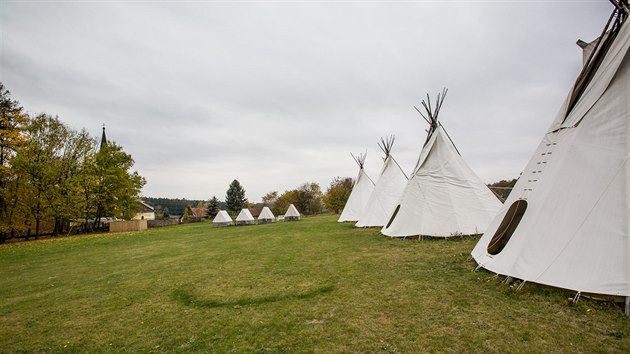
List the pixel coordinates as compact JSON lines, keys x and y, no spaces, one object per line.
{"x":308,"y":286}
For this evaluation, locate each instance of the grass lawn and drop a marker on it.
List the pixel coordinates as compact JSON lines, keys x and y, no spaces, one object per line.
{"x":308,"y":286}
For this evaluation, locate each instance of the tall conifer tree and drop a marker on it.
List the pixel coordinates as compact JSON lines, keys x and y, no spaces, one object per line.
{"x":235,"y":197}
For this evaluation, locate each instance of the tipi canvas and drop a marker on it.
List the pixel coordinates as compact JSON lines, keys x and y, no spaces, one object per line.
{"x":244,"y":217}
{"x":222,"y":219}
{"x":292,"y":214}
{"x":567,"y":221}
{"x":266,"y":216}
{"x":361,"y":191}
{"x":387,"y":191}
{"x":443,"y":197}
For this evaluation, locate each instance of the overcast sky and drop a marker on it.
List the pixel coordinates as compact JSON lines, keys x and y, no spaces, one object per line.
{"x":278,"y":93}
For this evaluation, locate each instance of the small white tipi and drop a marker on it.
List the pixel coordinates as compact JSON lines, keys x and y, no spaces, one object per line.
{"x":387,"y":191}
{"x":567,"y":221}
{"x":292,"y":214}
{"x":222,"y":219}
{"x":244,"y":217}
{"x":266,"y":216}
{"x":444,"y":197}
{"x":361,"y":191}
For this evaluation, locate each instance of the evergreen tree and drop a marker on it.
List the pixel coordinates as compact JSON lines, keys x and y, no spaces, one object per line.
{"x":235,"y":197}
{"x":213,"y":207}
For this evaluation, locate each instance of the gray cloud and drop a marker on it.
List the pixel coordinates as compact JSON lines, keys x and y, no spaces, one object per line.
{"x":276,"y":93}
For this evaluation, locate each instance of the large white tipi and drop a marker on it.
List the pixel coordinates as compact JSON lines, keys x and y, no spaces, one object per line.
{"x":292,"y":214}
{"x":443,"y":197}
{"x":222,"y":219}
{"x":266,"y":216}
{"x":387,"y":191}
{"x":244,"y":217}
{"x":361,"y":191}
{"x":567,"y":221}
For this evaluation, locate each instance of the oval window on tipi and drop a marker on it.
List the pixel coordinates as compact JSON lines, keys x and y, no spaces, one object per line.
{"x":507,"y":227}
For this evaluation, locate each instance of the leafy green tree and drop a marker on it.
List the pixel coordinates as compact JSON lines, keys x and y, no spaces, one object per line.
{"x":88,"y":182}
{"x":53,"y":173}
{"x":235,"y":197}
{"x":65,"y":199}
{"x":12,"y":124}
{"x":309,"y":199}
{"x":338,"y":193}
{"x":269,"y":198}
{"x":188,"y":213}
{"x":213,"y":207}
{"x":39,"y":163}
{"x":51,"y":165}
{"x":117,"y":189}
{"x":15,"y":213}
{"x":281,"y":204}
{"x":13,"y":121}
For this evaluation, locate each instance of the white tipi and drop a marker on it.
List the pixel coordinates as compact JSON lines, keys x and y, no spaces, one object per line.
{"x":361,"y":191}
{"x":266,"y":216}
{"x":222,"y":219}
{"x":567,"y":221}
{"x":443,"y":197}
{"x":292,"y":214}
{"x":387,"y":191}
{"x":244,"y":217}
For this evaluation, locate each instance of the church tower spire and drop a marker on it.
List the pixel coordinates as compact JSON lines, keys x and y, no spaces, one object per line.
{"x":103,"y":138}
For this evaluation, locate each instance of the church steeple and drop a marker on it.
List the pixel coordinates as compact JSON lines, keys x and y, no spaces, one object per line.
{"x":103,"y":138}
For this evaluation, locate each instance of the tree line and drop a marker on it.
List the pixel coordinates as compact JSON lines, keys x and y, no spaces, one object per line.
{"x":308,"y":198}
{"x":52,"y":175}
{"x":165,"y":207}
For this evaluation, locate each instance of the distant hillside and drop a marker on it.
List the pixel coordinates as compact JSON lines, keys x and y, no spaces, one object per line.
{"x":172,"y":206}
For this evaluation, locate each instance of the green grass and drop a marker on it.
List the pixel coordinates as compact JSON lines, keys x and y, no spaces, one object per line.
{"x":308,"y":286}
